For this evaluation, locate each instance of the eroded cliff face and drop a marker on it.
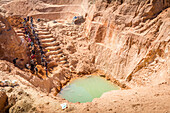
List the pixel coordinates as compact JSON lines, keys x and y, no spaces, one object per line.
{"x":60,"y":2}
{"x":131,"y":40}
{"x":48,"y":9}
{"x":11,"y":46}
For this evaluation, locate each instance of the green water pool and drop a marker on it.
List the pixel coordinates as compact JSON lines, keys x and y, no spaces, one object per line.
{"x":86,"y":89}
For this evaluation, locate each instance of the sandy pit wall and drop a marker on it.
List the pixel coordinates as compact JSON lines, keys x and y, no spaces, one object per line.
{"x":126,"y":45}
{"x":53,"y":10}
{"x":11,"y":46}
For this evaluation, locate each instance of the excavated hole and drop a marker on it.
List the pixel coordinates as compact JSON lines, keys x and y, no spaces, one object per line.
{"x":83,"y":89}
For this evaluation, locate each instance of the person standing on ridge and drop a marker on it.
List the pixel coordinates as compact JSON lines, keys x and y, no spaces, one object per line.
{"x":74,"y":18}
{"x":15,"y":61}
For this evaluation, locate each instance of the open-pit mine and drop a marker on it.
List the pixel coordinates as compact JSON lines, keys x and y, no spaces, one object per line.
{"x":81,"y":56}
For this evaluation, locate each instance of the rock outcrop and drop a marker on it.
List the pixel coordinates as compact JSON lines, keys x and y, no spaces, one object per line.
{"x":12,"y":46}
{"x":130,"y":39}
{"x":3,"y":100}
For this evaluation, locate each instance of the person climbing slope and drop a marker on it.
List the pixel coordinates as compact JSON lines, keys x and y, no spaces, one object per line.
{"x":32,"y":68}
{"x":32,"y":56}
{"x":32,"y":44}
{"x":32,"y":65}
{"x":37,"y":41}
{"x":33,"y":31}
{"x":33,"y":52}
{"x":42,"y":61}
{"x":31,"y":20}
{"x":36,"y":35}
{"x":29,"y":39}
{"x":28,"y":18}
{"x":36,"y":70}
{"x":24,"y":19}
{"x":46,"y":68}
{"x":40,"y":47}
{"x":42,"y":52}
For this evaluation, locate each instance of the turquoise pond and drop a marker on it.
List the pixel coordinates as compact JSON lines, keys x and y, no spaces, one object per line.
{"x":86,"y":89}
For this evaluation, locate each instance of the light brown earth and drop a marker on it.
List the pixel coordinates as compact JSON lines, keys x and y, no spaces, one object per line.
{"x":30,"y":99}
{"x":128,"y":41}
